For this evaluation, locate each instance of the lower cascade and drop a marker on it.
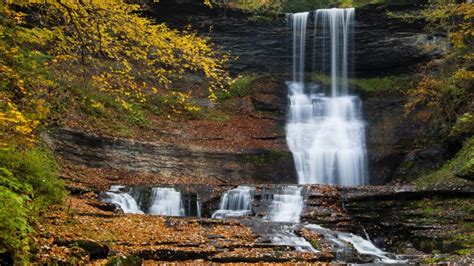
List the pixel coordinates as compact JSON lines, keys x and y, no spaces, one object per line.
{"x":287,"y":205}
{"x":345,"y":241}
{"x":126,"y":202}
{"x":166,"y":201}
{"x":163,"y":201}
{"x":235,"y":202}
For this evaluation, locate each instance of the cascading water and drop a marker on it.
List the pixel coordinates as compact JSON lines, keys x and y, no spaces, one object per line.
{"x":126,"y":202}
{"x":325,"y":132}
{"x":361,"y":245}
{"x":234,"y":203}
{"x":287,"y":205}
{"x":166,"y":201}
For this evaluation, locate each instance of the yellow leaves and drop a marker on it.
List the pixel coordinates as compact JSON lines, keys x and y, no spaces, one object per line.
{"x":97,"y":105}
{"x":127,"y":106}
{"x":15,"y":125}
{"x":112,"y":31}
{"x":463,"y":74}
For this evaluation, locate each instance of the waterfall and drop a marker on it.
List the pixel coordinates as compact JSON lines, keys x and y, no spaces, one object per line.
{"x":126,"y":202}
{"x":235,"y":203}
{"x":287,"y":205}
{"x":361,"y":245}
{"x":325,"y":132}
{"x":299,"y":45}
{"x":166,"y":201}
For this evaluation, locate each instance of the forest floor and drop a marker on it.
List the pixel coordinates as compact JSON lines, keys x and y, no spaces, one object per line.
{"x":81,"y":232}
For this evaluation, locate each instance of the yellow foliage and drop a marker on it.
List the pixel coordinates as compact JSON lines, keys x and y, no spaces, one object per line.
{"x":446,"y":92}
{"x":118,"y":49}
{"x":102,"y":46}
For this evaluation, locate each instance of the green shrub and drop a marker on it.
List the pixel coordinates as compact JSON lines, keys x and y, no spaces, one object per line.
{"x":38,"y":169}
{"x":14,"y":209}
{"x":240,"y":87}
{"x":28,"y":184}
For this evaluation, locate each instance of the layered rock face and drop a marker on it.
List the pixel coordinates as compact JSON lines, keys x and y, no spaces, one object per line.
{"x":171,"y":160}
{"x":383,"y":44}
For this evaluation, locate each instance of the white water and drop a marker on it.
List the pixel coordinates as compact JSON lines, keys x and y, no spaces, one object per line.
{"x":325,"y":132}
{"x":361,"y":245}
{"x":166,"y":201}
{"x":287,"y":205}
{"x":234,"y":203}
{"x":286,"y":237}
{"x":124,"y":200}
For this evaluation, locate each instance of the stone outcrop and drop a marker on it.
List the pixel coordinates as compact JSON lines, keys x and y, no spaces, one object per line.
{"x":171,"y":160}
{"x":410,"y":221}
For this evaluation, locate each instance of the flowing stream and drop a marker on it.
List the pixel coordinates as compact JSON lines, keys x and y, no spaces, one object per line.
{"x":236,"y":202}
{"x":163,"y":201}
{"x":287,"y":205}
{"x":325,"y":132}
{"x":343,"y":241}
{"x":166,"y":201}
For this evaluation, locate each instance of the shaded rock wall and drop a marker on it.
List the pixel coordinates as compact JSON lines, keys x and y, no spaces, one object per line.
{"x":171,"y":160}
{"x":408,"y":221}
{"x":383,"y":44}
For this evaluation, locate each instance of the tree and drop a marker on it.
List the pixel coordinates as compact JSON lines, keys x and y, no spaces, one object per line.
{"x":102,"y":46}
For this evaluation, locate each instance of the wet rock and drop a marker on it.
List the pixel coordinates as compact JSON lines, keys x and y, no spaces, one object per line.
{"x":390,"y":135}
{"x":107,"y":206}
{"x":410,"y":221}
{"x":76,"y":190}
{"x":215,"y":236}
{"x":6,"y":258}
{"x":421,"y":161}
{"x":267,"y":102}
{"x":94,"y":249}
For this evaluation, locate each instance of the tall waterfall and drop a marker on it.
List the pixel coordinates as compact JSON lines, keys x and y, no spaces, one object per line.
{"x":166,"y":201}
{"x":235,"y":202}
{"x":325,"y":132}
{"x":287,"y":205}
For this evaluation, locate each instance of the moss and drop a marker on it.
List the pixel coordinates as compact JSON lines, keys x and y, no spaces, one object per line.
{"x":371,"y":85}
{"x":211,"y":114}
{"x":314,"y":242}
{"x":433,"y":260}
{"x":457,"y":172}
{"x":269,"y":157}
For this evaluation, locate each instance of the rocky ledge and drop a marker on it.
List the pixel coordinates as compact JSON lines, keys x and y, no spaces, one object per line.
{"x":172,"y":160}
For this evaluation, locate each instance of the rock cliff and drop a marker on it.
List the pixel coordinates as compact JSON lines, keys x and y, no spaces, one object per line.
{"x":384,"y":44}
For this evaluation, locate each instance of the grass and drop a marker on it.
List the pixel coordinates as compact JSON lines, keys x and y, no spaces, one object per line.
{"x":267,"y":158}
